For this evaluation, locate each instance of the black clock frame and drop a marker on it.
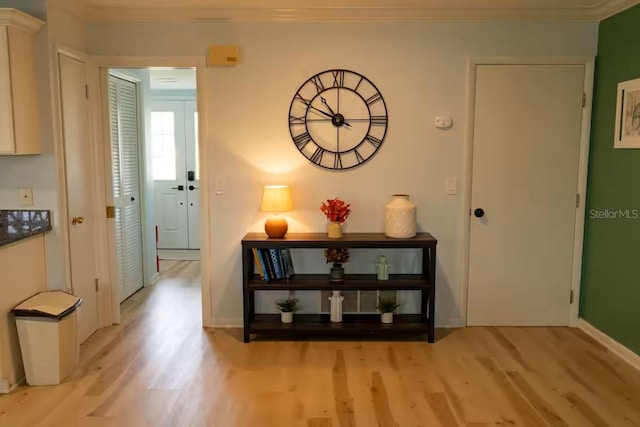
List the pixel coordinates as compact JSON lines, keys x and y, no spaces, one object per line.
{"x":300,"y":140}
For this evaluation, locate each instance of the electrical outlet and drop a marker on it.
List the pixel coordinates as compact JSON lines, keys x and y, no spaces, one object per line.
{"x":26,"y":196}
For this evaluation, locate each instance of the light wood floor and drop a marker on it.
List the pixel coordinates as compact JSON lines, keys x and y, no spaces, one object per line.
{"x":160,"y":368}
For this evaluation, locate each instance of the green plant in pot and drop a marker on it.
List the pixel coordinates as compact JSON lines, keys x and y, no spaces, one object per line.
{"x":287,"y":307}
{"x":386,"y":306}
{"x":337,"y":257}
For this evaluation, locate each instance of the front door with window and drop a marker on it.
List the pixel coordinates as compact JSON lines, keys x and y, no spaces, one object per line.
{"x":175,"y":173}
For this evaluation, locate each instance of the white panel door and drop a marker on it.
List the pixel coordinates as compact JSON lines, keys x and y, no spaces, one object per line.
{"x":193,"y":171}
{"x":176,"y":173}
{"x":123,"y":112}
{"x":172,"y":188}
{"x":525,"y":172}
{"x":78,"y":161}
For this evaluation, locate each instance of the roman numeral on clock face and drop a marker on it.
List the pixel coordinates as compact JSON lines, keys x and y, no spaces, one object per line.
{"x":302,"y":140}
{"x":373,"y":99}
{"x":338,"y":78}
{"x":373,"y":141}
{"x":317,"y":155}
{"x":318,"y":83}
{"x":337,"y":161}
{"x":379,"y":120}
{"x":297,"y":120}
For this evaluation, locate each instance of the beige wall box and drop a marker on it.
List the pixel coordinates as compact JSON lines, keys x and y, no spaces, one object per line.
{"x":224,"y":55}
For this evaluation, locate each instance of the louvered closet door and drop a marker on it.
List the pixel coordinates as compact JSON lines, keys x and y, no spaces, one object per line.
{"x":123,"y":105}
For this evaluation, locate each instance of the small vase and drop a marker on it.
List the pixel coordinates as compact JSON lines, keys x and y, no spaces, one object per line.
{"x":336,"y":306}
{"x":286,"y":316}
{"x":400,"y":217}
{"x":337,"y":273}
{"x":334,"y":230}
{"x":386,"y":317}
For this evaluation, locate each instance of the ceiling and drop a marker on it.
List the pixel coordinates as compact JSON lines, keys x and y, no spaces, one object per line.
{"x":343,"y":10}
{"x":172,"y":78}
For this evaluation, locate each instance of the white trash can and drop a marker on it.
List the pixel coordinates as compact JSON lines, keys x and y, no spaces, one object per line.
{"x":48,"y":337}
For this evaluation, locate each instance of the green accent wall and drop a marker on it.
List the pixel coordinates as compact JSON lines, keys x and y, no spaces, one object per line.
{"x":610,"y":297}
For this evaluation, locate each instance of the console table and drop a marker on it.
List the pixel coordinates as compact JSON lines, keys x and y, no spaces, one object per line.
{"x":354,"y":324}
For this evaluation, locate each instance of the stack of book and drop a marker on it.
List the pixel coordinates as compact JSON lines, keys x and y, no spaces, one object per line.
{"x":273,"y":264}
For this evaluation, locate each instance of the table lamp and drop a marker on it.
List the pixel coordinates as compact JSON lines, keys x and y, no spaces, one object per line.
{"x":276,"y":198}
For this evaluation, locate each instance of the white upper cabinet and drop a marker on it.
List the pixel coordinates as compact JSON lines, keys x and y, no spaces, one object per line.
{"x":19,"y":120}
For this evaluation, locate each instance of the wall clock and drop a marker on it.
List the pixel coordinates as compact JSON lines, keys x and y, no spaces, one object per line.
{"x":338,"y":119}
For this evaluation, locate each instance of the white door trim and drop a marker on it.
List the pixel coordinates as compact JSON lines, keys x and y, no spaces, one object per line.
{"x":465,"y":224}
{"x":199,"y":63}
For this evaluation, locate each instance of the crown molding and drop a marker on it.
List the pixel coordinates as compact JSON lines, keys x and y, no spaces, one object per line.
{"x":608,"y":8}
{"x":273,"y":12}
{"x":20,"y":20}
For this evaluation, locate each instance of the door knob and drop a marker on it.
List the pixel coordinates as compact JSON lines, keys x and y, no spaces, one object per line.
{"x":478,"y":213}
{"x":77,"y":220}
{"x":179,"y":188}
{"x":191,"y":187}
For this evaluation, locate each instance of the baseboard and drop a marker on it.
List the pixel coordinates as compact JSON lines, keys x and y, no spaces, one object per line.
{"x":154,"y":279}
{"x":614,"y":346}
{"x":227,"y":322}
{"x":4,"y":386}
{"x":179,"y":254}
{"x":455,"y":322}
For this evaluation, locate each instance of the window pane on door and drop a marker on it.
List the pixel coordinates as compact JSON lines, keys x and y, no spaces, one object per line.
{"x":163,"y":145}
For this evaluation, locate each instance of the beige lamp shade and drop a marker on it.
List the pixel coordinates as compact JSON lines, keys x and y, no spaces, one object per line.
{"x":276,"y":198}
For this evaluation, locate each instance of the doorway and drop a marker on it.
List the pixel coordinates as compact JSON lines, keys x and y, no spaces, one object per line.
{"x":147,"y":145}
{"x":176,"y":173}
{"x":526,"y":162}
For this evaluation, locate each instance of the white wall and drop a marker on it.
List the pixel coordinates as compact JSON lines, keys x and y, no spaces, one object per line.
{"x":420,"y":70}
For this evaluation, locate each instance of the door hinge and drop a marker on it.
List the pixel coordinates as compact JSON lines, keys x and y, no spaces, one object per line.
{"x":96,"y":282}
{"x":577,"y":200}
{"x":111,"y":211}
{"x":86,"y":91}
{"x":571,"y":297}
{"x":584,"y":100}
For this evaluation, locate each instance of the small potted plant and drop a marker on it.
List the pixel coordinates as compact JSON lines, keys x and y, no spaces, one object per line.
{"x":337,"y":257}
{"x":336,"y":212}
{"x":287,"y":307}
{"x":387,"y":306}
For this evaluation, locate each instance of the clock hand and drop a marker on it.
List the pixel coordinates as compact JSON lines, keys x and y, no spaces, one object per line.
{"x":308,"y":104}
{"x":324,"y":101}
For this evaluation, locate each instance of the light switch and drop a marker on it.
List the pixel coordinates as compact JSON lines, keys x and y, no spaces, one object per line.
{"x":221,"y":187}
{"x":26,"y":196}
{"x":450,"y":186}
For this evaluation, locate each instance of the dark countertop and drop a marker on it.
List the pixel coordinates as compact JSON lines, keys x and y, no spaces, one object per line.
{"x":19,"y":224}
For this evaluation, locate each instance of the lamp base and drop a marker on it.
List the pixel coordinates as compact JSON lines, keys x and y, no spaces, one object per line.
{"x":276,"y":227}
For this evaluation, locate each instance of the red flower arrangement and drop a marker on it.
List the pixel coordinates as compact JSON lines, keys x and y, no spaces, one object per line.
{"x":336,"y":210}
{"x":337,"y":256}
